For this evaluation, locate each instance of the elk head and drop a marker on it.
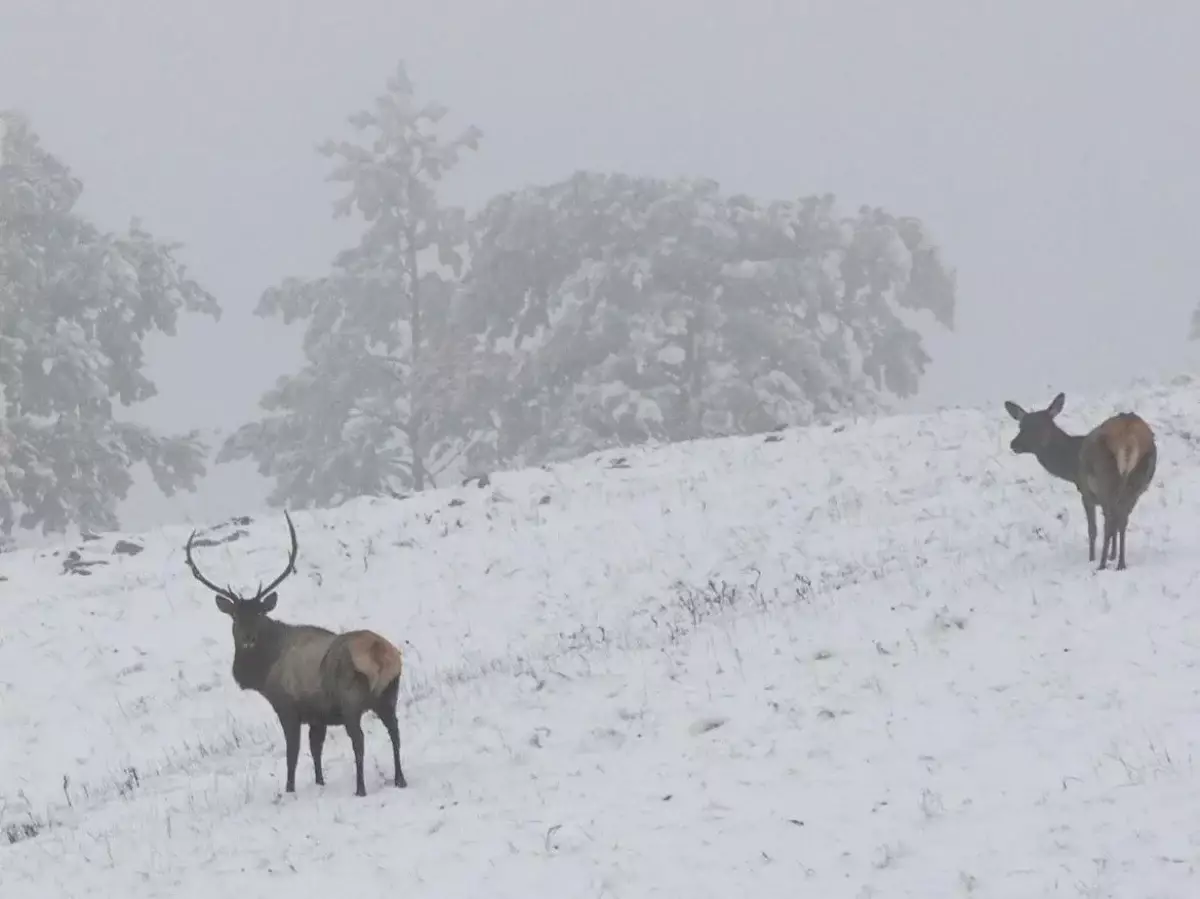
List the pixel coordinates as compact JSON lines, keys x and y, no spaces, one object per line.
{"x":248,"y":613}
{"x":1037,"y":430}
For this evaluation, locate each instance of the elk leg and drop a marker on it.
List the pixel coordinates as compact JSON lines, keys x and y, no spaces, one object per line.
{"x":291,"y":734}
{"x":1112,"y":547}
{"x":354,"y":729}
{"x":1124,"y":524}
{"x":388,"y":717}
{"x":316,"y":742}
{"x":1089,"y":509}
{"x":1109,"y":521}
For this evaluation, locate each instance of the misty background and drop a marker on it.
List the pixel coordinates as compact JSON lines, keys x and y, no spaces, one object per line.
{"x":1050,"y":149}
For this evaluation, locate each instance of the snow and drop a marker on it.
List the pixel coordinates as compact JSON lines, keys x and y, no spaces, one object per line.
{"x":861,"y":660}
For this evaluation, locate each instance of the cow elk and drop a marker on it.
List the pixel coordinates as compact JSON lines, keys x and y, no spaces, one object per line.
{"x":1117,"y":462}
{"x":1111,"y":466}
{"x":310,"y":675}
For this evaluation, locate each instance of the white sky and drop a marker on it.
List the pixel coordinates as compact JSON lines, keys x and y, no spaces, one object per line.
{"x":1051,"y":147}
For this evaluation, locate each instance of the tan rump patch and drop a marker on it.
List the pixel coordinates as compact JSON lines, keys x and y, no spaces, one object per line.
{"x":1128,"y":438}
{"x":375,"y":658}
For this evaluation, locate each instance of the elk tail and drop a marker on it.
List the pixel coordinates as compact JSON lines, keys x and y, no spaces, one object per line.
{"x":1126,"y":454}
{"x":375,"y":659}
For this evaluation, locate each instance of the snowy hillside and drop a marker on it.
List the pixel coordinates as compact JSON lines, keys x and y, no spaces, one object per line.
{"x":856,"y":661}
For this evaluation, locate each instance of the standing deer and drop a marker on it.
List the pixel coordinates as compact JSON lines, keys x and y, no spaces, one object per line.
{"x":311,"y":675}
{"x":1117,"y":462}
{"x":1111,"y":466}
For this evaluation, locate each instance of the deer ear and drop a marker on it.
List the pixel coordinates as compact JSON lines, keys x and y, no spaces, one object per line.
{"x":1014,"y":410}
{"x":1056,"y":405}
{"x":268,"y":601}
{"x":224,"y":604}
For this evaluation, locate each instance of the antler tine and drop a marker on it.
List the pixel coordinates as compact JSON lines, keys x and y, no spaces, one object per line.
{"x":191,"y":563}
{"x":291,"y":563}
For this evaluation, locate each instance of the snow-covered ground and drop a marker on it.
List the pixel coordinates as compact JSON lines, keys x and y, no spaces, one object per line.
{"x":859,"y":661}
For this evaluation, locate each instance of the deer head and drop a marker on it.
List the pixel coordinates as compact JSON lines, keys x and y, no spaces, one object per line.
{"x":248,"y":613}
{"x":1037,"y":430}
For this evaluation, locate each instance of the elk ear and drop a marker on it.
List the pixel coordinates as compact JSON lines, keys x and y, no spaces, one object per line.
{"x":1056,"y":405}
{"x":268,"y":601}
{"x":1014,"y":410}
{"x":224,"y":604}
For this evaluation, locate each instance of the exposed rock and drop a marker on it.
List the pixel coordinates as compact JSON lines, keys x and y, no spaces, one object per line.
{"x":217,"y":541}
{"x":74,"y":563}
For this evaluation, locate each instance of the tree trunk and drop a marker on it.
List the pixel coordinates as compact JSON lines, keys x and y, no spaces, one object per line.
{"x":418,"y":461}
{"x":416,"y":385}
{"x":693,"y":371}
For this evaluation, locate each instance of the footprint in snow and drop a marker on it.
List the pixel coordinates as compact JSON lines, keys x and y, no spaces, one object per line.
{"x":704,"y":725}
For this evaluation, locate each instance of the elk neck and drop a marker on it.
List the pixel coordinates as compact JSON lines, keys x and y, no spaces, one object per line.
{"x":1060,"y":455}
{"x":251,"y":666}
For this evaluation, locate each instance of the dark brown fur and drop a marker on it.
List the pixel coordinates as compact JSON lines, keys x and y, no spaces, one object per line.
{"x":311,"y":675}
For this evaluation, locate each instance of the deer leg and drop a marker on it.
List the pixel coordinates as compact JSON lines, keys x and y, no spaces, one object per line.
{"x":1089,"y":509}
{"x":1119,"y":519}
{"x":1109,"y":521}
{"x":354,"y":729}
{"x":291,"y":734}
{"x":1124,"y":524}
{"x":316,"y":742}
{"x":388,"y":717}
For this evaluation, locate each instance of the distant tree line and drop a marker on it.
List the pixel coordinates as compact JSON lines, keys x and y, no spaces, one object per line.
{"x":602,"y":310}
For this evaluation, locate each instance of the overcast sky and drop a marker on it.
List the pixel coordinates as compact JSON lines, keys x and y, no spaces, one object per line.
{"x":1052,"y":147}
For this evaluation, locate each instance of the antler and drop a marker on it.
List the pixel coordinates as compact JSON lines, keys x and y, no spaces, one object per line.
{"x":227,"y":592}
{"x":291,"y":563}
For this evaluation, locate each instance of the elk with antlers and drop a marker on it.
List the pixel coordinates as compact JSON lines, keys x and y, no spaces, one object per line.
{"x":310,"y":675}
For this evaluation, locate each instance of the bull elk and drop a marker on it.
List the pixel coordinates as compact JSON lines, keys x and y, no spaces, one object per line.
{"x":1111,"y":466}
{"x":310,"y":675}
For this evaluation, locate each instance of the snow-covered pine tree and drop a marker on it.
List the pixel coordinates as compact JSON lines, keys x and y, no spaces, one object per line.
{"x":633,"y":309}
{"x":367,"y":413}
{"x":76,"y":302}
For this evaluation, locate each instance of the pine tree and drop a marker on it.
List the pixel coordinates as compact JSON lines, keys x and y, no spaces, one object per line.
{"x":635,"y":309}
{"x":76,"y":303}
{"x":368,"y":412}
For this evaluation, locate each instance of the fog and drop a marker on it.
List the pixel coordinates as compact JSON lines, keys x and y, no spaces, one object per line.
{"x":1051,"y":148}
